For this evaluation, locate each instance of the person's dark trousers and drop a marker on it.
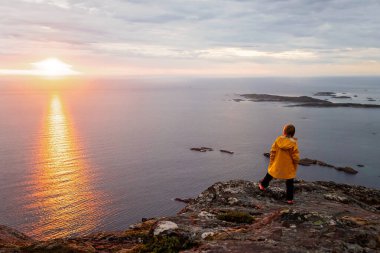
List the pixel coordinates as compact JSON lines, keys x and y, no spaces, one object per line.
{"x":266,"y":180}
{"x":289,"y":185}
{"x":289,"y":189}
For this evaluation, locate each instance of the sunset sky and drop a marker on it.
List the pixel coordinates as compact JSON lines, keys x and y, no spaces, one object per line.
{"x":199,"y":37}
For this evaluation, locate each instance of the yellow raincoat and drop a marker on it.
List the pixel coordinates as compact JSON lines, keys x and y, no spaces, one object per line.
{"x":284,"y":158}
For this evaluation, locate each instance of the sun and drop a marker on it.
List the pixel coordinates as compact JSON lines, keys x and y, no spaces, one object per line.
{"x":49,"y":68}
{"x":53,"y":67}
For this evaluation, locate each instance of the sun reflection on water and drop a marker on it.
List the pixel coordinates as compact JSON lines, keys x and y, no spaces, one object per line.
{"x":62,"y":191}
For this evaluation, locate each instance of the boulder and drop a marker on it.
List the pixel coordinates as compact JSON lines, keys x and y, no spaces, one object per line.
{"x":163,"y":226}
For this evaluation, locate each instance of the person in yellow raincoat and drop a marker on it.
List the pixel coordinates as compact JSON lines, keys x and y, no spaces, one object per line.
{"x":284,"y":158}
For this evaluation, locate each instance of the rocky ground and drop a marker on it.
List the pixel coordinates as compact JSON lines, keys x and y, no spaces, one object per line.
{"x":235,"y":216}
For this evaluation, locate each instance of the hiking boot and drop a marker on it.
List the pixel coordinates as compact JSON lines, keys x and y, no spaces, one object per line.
{"x":261,"y":187}
{"x":290,"y":202}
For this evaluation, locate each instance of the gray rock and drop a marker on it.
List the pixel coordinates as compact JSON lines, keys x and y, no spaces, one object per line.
{"x":163,"y":226}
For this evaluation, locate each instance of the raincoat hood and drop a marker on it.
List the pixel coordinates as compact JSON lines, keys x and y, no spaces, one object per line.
{"x":286,"y":143}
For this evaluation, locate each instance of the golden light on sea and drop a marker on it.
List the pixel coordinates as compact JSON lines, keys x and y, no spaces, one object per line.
{"x":62,"y":191}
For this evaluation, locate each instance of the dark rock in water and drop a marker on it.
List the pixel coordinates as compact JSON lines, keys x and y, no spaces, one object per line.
{"x":226,"y":151}
{"x":198,"y":149}
{"x":371,"y":99}
{"x":183,"y":200}
{"x":348,"y":170}
{"x":341,"y":97}
{"x":238,"y":100}
{"x":202,"y":149}
{"x":325,"y":94}
{"x":360,"y":165}
{"x":355,"y":96}
{"x":323,"y":164}
{"x":307,"y":162}
{"x":235,"y":216}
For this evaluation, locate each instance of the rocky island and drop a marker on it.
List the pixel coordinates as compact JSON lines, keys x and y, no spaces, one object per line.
{"x":235,"y":216}
{"x":304,"y":101}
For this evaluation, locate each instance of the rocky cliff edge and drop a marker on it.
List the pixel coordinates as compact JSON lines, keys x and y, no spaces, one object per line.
{"x":235,"y":216}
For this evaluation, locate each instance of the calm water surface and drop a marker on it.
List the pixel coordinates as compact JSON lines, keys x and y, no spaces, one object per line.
{"x":84,"y":156}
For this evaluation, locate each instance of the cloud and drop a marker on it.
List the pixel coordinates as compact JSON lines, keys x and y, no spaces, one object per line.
{"x":216,"y":53}
{"x":58,"y":3}
{"x":190,"y":32}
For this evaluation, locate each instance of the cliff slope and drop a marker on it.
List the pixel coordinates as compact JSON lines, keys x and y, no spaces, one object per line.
{"x":235,"y":216}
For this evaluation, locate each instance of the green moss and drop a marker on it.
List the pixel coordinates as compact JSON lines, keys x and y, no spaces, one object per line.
{"x":236,"y":216}
{"x":167,"y":244}
{"x":133,"y":235}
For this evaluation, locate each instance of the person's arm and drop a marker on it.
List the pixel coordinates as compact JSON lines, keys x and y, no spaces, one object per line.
{"x":273,"y":151}
{"x":296,"y":156}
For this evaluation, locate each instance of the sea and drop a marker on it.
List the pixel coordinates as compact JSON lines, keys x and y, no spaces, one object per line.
{"x":81,"y":155}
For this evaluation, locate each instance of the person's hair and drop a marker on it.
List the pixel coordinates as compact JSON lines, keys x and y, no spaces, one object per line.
{"x":289,"y":130}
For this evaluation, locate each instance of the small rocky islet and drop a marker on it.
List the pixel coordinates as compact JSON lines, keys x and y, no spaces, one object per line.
{"x":332,"y":95}
{"x":235,"y":216}
{"x":304,"y":101}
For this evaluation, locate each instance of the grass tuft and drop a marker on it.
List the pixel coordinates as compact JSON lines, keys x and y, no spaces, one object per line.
{"x":236,"y":216}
